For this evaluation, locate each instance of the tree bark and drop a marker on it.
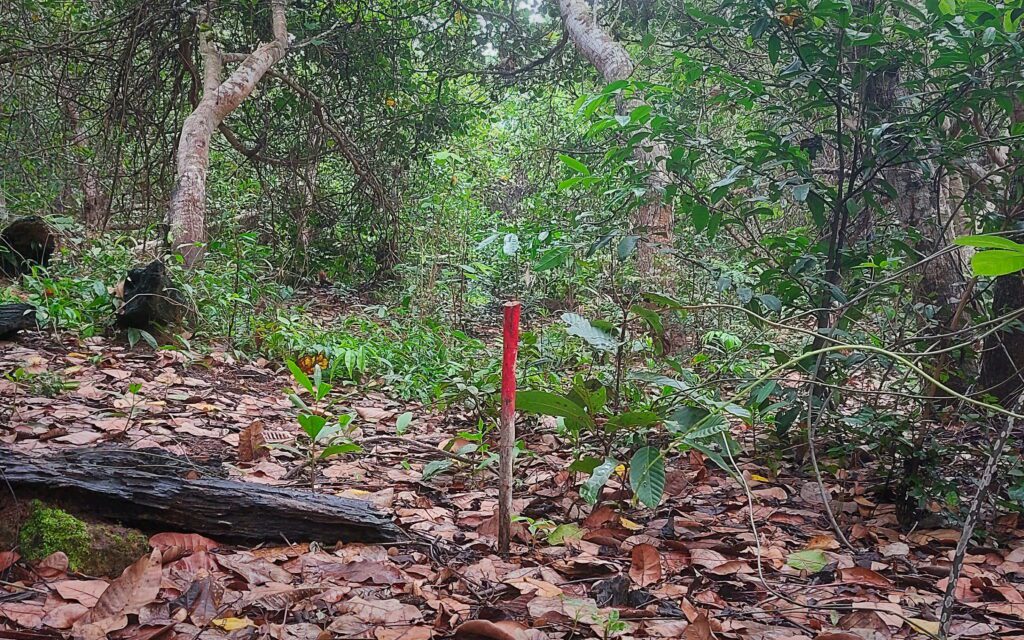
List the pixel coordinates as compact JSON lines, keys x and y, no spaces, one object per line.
{"x":654,"y":219}
{"x":94,"y":200}
{"x":152,"y":490}
{"x":14,"y":318}
{"x":187,"y":210}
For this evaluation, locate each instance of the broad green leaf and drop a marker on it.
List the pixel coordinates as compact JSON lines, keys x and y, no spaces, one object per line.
{"x":488,"y":240}
{"x":301,"y":377}
{"x":626,"y":246}
{"x":989,"y":242}
{"x":586,"y":464}
{"x":712,"y":455}
{"x":564,"y":532}
{"x":647,"y":476}
{"x":652,"y":319}
{"x":579,"y":326}
{"x":707,"y":17}
{"x":435,"y":467}
{"x":574,"y":164}
{"x":337,"y":449}
{"x":770,"y":302}
{"x":997,"y":262}
{"x":312,"y":424}
{"x":634,"y":419}
{"x":812,"y":560}
{"x":553,"y":258}
{"x":551,"y":404}
{"x":403,"y":422}
{"x":591,"y":489}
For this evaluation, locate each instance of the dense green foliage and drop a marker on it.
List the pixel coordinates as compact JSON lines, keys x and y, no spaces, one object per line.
{"x":822,"y":157}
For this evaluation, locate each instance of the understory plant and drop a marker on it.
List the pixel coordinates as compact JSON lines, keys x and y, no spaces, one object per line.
{"x":325,"y":436}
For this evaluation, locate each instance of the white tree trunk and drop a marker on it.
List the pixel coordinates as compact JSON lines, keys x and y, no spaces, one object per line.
{"x":187,"y":210}
{"x":654,"y":219}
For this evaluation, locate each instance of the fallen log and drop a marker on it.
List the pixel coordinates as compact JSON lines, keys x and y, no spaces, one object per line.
{"x":15,"y":317}
{"x":157,"y":491}
{"x":26,"y":242}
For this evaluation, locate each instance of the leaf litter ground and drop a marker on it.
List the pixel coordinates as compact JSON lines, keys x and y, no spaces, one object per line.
{"x":690,"y":569}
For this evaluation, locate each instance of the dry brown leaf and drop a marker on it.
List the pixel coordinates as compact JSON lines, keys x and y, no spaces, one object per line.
{"x":137,"y":585}
{"x":420,"y":632}
{"x":256,"y":571}
{"x":707,"y":558}
{"x":53,"y":565}
{"x":699,"y":629}
{"x":25,"y":614}
{"x":178,"y":545}
{"x":645,"y":568}
{"x":599,"y":517}
{"x":8,"y":558}
{"x":65,"y":616}
{"x":369,"y":571}
{"x":583,"y":610}
{"x":251,"y":443}
{"x":87,"y":592}
{"x":838,"y":635}
{"x":822,"y":542}
{"x":867,"y":577}
{"x":390,"y":612}
{"x":487,"y":630}
{"x":202,"y":601}
{"x":668,"y":629}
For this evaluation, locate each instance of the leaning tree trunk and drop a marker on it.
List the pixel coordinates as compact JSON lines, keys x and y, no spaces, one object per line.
{"x":654,"y":219}
{"x":187,"y":211}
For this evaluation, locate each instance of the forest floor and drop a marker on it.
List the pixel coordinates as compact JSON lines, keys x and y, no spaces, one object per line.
{"x":691,"y":569}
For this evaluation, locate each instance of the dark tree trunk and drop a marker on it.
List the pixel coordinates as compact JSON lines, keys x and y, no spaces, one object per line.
{"x":154,"y":490}
{"x":25,"y":243}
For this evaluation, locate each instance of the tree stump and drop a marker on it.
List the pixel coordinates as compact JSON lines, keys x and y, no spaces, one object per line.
{"x":26,"y":242}
{"x":14,"y":318}
{"x":150,"y":298}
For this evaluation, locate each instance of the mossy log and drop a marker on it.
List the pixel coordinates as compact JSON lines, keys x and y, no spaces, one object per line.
{"x":150,"y":298}
{"x":15,"y":317}
{"x":157,"y":491}
{"x":25,"y":243}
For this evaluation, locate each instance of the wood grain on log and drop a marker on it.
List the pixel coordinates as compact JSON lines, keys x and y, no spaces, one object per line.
{"x":15,"y":317}
{"x":151,"y":489}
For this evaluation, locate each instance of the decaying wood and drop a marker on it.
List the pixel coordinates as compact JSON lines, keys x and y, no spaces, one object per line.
{"x":25,"y":243}
{"x":150,"y":297}
{"x":14,"y":318}
{"x":152,"y":489}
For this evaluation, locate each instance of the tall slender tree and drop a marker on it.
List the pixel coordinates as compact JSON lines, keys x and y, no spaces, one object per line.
{"x":654,"y":218}
{"x":187,"y":212}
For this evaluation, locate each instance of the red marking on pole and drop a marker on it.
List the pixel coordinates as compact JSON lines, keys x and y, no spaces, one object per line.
{"x":507,"y":436}
{"x":508,"y":362}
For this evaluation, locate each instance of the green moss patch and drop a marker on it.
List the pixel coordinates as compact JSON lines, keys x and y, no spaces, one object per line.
{"x":93,"y":548}
{"x":48,"y":530}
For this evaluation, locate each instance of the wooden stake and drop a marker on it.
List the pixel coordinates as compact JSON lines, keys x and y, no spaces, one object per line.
{"x":507,"y":441}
